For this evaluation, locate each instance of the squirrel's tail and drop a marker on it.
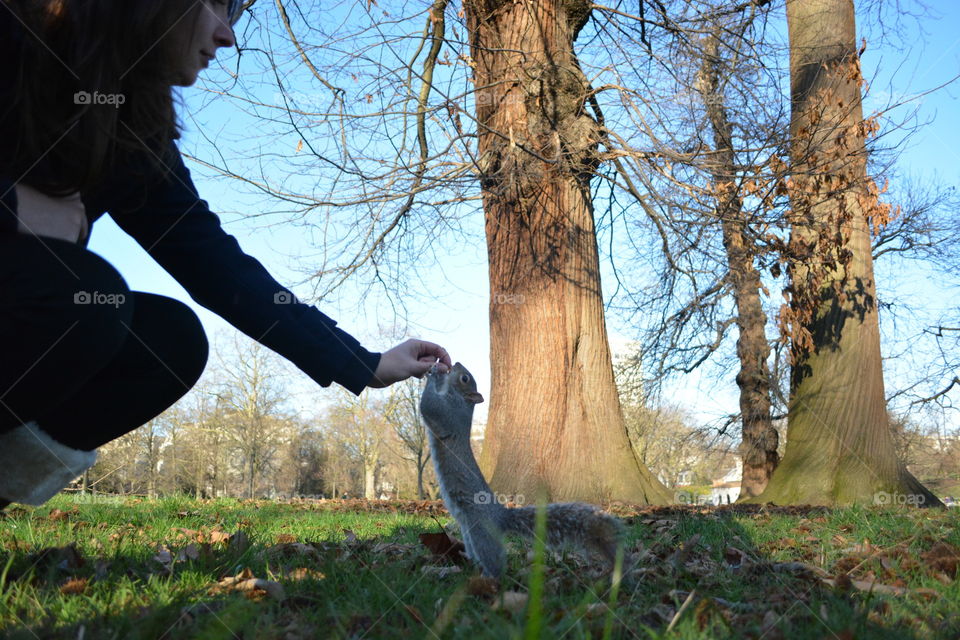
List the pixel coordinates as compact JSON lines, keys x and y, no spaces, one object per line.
{"x":583,"y":525}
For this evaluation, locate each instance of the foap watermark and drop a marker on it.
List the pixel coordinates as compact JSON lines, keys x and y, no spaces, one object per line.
{"x":285,"y":297}
{"x":95,"y":297}
{"x":96,"y":98}
{"x":489,"y":497}
{"x":688,"y":497}
{"x":508,"y":298}
{"x":487,"y":97}
{"x":912,"y":499}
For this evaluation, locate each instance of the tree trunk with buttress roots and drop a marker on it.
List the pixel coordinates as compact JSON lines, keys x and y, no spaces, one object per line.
{"x":555,"y":427}
{"x":840,"y":448}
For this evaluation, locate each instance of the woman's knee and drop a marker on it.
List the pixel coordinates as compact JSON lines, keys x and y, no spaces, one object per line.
{"x":173,"y":333}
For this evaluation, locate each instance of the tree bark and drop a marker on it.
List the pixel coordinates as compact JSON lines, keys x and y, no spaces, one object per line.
{"x":369,"y":478}
{"x":840,"y":448}
{"x":758,"y":448}
{"x":554,"y":426}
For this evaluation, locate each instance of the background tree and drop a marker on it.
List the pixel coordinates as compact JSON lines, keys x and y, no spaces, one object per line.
{"x":840,"y":447}
{"x":359,"y":426}
{"x":404,"y":416}
{"x":252,"y":399}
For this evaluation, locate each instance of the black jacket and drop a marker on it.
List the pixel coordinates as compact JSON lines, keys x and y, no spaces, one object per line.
{"x":170,"y":221}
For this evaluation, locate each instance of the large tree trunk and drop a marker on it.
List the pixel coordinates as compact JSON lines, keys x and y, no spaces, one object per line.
{"x":840,"y":448}
{"x":370,"y":478}
{"x":758,"y":447}
{"x":554,"y":426}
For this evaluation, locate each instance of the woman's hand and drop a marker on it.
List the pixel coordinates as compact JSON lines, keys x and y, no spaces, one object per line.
{"x":410,"y":358}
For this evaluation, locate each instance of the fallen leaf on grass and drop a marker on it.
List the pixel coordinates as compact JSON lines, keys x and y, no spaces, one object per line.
{"x":73,"y":586}
{"x":303,"y":573}
{"x":394,"y":548}
{"x":293,"y":549}
{"x":512,"y":601}
{"x":213,"y":537}
{"x":17,"y":545}
{"x":57,"y":514}
{"x":217,"y":536}
{"x":482,"y":586}
{"x":943,"y":557}
{"x":443,"y":546}
{"x":844,"y":583}
{"x":799,"y":567}
{"x":250,"y":586}
{"x":440,"y":572}
{"x":286,"y":538}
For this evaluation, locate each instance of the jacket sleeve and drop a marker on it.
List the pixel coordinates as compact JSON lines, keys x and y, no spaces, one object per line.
{"x":9,"y":58}
{"x":178,"y":230}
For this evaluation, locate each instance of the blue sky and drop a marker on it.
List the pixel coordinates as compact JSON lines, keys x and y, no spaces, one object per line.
{"x":451,"y":308}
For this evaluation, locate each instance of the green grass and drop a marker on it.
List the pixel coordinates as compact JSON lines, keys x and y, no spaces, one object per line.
{"x":380,"y":582}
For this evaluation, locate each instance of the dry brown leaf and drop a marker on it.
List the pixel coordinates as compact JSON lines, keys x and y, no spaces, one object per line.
{"x":482,"y":586}
{"x":395,"y":548}
{"x":246,"y":583}
{"x":943,"y":557}
{"x":57,"y":514}
{"x":189,"y":534}
{"x":843,"y":582}
{"x":286,"y":538}
{"x":73,"y":586}
{"x":303,"y":573}
{"x":440,"y":572}
{"x":293,"y":549}
{"x":443,"y":546}
{"x":218,"y":536}
{"x":273,"y":589}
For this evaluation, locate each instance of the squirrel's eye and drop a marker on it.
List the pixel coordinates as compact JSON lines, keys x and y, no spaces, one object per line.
{"x":464,"y":378}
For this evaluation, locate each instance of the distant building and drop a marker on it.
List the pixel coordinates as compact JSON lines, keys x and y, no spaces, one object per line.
{"x":726,"y":488}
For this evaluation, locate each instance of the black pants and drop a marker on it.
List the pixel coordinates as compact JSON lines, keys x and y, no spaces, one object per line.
{"x":81,"y":354}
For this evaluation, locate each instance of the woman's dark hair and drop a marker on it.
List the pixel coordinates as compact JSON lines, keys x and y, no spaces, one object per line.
{"x":93,"y":82}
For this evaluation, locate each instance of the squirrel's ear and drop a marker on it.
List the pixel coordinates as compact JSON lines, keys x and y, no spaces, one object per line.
{"x":473,"y":397}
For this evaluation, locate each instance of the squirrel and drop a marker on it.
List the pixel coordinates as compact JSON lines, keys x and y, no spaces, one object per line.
{"x":447,"y":405}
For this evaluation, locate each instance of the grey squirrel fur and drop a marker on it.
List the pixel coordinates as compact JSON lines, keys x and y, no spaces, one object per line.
{"x":447,"y":406}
